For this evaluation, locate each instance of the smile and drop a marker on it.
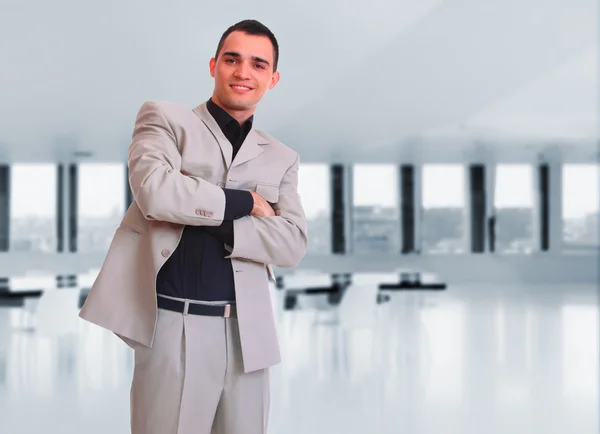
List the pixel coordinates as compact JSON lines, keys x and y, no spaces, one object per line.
{"x":241,"y":89}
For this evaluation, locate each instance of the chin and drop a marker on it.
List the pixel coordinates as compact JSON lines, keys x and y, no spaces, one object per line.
{"x":241,"y":105}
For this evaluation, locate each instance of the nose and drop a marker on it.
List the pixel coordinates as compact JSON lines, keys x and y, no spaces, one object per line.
{"x":242,"y":71}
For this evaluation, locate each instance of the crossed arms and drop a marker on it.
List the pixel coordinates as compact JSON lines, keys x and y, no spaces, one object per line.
{"x":163,"y":193}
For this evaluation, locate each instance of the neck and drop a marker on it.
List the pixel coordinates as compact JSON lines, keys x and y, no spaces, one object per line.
{"x":239,"y":115}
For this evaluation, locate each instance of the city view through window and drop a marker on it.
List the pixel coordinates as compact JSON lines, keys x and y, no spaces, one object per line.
{"x":375,"y":213}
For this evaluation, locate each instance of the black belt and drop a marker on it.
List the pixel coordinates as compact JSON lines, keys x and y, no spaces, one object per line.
{"x":185,"y":307}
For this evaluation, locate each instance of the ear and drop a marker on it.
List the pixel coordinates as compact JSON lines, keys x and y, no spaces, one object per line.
{"x":211,"y":66}
{"x":274,"y":80}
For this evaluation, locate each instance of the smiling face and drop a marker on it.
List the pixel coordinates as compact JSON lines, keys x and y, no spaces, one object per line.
{"x":243,"y":71}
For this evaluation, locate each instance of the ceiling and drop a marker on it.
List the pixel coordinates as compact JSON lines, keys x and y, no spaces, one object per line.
{"x":359,"y":80}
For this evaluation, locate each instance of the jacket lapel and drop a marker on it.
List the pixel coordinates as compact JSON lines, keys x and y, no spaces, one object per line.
{"x":212,"y":125}
{"x":251,"y":148}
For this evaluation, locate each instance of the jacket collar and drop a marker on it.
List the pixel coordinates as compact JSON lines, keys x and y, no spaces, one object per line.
{"x":251,"y":147}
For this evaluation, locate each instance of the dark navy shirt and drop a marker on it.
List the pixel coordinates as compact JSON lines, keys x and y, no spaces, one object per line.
{"x":198,"y":269}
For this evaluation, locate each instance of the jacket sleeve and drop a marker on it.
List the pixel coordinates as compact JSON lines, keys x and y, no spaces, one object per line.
{"x":280,"y":240}
{"x":160,"y":190}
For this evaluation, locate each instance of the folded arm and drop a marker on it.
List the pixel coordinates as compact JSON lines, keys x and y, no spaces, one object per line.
{"x":160,"y":190}
{"x":239,"y":203}
{"x":280,"y":240}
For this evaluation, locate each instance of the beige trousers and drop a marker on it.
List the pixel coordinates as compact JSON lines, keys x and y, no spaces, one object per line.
{"x":192,"y":380}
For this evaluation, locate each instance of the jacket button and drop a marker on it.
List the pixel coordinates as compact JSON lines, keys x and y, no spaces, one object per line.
{"x":165,"y":252}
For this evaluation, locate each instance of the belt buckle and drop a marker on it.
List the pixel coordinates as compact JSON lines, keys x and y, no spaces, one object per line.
{"x":186,"y":306}
{"x":227,"y":311}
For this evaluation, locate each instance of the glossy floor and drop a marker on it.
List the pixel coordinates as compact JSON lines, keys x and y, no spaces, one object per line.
{"x":467,"y":360}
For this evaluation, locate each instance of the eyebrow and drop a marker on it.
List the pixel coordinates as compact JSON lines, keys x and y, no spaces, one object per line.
{"x":237,"y":55}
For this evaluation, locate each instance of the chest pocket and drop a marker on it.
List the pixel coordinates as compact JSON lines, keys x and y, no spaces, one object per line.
{"x":269,"y":192}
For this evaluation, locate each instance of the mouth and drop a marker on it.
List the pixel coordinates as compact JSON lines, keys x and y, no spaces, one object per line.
{"x":240,"y":88}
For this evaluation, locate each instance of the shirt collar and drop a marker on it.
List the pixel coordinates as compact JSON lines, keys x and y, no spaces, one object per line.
{"x":224,"y":119}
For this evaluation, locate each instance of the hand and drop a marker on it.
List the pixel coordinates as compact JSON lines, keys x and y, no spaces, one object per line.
{"x":261,"y":208}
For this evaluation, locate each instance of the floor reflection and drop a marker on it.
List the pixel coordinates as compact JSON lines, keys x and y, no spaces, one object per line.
{"x":515,"y":359}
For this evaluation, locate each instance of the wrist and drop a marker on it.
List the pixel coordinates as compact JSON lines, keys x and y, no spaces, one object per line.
{"x":253,"y":194}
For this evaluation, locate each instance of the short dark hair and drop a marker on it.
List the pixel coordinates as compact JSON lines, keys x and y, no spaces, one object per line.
{"x":252,"y":27}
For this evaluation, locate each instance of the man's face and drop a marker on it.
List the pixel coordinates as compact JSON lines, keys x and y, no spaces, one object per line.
{"x":243,"y":71}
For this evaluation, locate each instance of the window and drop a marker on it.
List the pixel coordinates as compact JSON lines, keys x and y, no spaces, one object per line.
{"x":314,"y":187}
{"x":513,"y":203}
{"x":443,"y":219}
{"x":101,"y":204}
{"x":375,"y":213}
{"x":580,"y":205}
{"x":33,"y":207}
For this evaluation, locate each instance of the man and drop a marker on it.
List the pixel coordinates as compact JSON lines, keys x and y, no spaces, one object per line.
{"x":186,"y":279}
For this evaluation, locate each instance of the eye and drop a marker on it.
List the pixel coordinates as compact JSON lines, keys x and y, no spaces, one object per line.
{"x":260,"y":65}
{"x":229,"y":60}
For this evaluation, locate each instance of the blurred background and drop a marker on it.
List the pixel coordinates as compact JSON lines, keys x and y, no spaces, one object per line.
{"x":449,"y":172}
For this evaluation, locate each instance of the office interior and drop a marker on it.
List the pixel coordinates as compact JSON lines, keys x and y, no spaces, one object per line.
{"x":450,"y":178}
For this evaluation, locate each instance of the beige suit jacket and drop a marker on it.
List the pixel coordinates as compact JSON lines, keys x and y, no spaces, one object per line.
{"x":178,"y":161}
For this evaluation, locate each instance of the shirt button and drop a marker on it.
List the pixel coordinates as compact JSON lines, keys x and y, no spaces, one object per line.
{"x":165,"y":252}
{"x":198,"y":211}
